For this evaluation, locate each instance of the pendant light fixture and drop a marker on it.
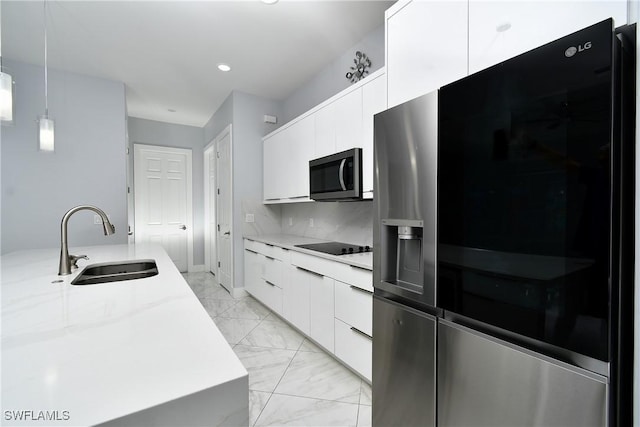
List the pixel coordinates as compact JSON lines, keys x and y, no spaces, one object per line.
{"x":45,"y":123}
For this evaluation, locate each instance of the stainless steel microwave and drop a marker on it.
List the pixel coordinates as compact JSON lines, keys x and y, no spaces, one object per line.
{"x":336,"y":177}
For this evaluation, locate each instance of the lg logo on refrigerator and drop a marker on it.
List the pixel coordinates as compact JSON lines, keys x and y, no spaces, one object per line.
{"x":573,"y":50}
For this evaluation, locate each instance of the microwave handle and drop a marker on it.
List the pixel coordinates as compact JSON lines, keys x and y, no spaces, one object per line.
{"x":341,"y":173}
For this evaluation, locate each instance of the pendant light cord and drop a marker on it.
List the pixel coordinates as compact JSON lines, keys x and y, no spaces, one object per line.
{"x":46,"y":79}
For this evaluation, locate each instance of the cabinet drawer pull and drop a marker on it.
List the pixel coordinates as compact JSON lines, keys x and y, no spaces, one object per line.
{"x":359,"y":332}
{"x":355,"y":288}
{"x":309,"y":271}
{"x":269,"y":244}
{"x":274,"y":198}
{"x":249,"y":250}
{"x":355,"y":267}
{"x":285,"y":249}
{"x":298,"y":197}
{"x":269,"y":283}
{"x":269,"y":257}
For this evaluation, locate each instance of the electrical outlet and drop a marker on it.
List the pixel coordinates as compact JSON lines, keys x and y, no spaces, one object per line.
{"x":249,"y":218}
{"x":290,"y":221}
{"x":311,"y":222}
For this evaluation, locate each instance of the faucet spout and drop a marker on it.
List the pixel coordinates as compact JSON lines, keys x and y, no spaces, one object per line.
{"x":65,"y":259}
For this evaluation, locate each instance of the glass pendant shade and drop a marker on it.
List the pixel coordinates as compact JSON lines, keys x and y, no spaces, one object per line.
{"x":46,"y":134}
{"x":6,"y":97}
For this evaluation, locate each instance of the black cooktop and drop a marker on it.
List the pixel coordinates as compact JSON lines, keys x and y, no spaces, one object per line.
{"x":335,"y":248}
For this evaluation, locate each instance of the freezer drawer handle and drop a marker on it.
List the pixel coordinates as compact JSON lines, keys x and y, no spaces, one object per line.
{"x":309,"y":271}
{"x":359,"y":332}
{"x":355,"y":288}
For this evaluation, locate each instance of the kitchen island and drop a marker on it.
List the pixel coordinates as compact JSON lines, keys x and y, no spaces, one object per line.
{"x":139,"y":352}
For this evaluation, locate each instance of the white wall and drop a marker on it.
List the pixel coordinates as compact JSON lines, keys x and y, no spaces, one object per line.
{"x":87,"y":167}
{"x":331,"y":79}
{"x":143,"y":131}
{"x":245,"y":113}
{"x":222,"y":118}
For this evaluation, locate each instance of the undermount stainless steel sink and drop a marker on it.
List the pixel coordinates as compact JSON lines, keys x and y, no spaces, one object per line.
{"x":116,"y":271}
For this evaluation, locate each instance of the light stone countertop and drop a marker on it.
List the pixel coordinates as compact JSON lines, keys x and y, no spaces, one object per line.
{"x":288,"y":241}
{"x":103,"y":352}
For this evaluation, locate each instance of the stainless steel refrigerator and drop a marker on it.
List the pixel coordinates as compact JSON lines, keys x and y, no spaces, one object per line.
{"x":503,"y":249}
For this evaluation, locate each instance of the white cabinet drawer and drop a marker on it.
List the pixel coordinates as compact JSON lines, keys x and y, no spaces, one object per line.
{"x":357,"y":276}
{"x":354,"y":348}
{"x":267,"y":249}
{"x":252,"y":245}
{"x":352,"y":275}
{"x":354,"y":306}
{"x":272,"y":271}
{"x":271,"y":296}
{"x":313,"y":263}
{"x":268,"y":294}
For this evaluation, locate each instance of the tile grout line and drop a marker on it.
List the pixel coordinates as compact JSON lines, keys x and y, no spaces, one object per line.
{"x":316,"y":398}
{"x":263,"y":408}
{"x":283,"y":373}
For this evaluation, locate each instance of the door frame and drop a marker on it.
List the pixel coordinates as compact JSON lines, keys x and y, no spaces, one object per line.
{"x":213,"y":144}
{"x":189,"y":178}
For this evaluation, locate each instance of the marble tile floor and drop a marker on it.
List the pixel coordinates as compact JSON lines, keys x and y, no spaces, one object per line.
{"x":292,"y":382}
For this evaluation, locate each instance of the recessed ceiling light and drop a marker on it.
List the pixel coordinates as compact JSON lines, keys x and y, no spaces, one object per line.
{"x":269,"y":1}
{"x":224,"y":67}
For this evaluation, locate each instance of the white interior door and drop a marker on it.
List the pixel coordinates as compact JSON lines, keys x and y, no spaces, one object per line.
{"x":162,"y":184}
{"x":224,"y":210}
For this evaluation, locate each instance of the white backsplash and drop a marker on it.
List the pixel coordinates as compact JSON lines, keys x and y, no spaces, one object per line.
{"x":266,"y":218}
{"x":348,"y":222}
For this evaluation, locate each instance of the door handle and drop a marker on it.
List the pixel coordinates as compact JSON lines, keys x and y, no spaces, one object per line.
{"x":227,"y":233}
{"x":183,"y":227}
{"x":341,"y":173}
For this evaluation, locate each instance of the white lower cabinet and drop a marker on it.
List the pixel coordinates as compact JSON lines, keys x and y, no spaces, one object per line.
{"x":263,"y":278}
{"x":329,"y":301}
{"x":354,"y":306}
{"x":353,"y":347}
{"x":296,"y":299}
{"x":321,"y":311}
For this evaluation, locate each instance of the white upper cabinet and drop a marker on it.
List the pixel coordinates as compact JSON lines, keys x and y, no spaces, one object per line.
{"x":426,"y":47}
{"x":324,"y":143}
{"x":499,"y":30}
{"x":374,"y":101}
{"x":342,"y":122}
{"x":296,"y":159}
{"x":286,"y":162}
{"x":348,"y":120}
{"x":274,"y":184}
{"x":338,"y":125}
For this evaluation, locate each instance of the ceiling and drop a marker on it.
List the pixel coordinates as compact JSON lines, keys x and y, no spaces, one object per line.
{"x":167,"y":52}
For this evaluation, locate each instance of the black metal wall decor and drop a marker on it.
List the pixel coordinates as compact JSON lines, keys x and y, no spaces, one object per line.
{"x":359,"y":69}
